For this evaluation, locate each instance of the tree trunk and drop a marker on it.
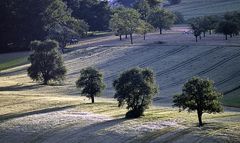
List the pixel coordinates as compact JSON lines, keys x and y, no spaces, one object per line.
{"x":210,"y":32}
{"x":204,"y":34}
{"x":131,"y":38}
{"x":120,"y":36}
{"x":231,"y":35}
{"x":144,"y":36}
{"x":92,"y":98}
{"x":126,"y":36}
{"x":200,"y":118}
{"x":196,"y":38}
{"x":160,"y":29}
{"x":226,"y":37}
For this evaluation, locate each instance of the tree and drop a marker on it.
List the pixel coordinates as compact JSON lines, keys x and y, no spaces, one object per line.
{"x":125,"y":20}
{"x":96,"y":13}
{"x":143,"y":8}
{"x":227,"y":28}
{"x":60,"y":25}
{"x":233,"y":17}
{"x":201,"y":95}
{"x":162,"y":19}
{"x":46,"y":62}
{"x":90,"y":82}
{"x":144,"y":28}
{"x":117,"y":25}
{"x":196,"y":27}
{"x":136,"y":87}
{"x":19,"y":27}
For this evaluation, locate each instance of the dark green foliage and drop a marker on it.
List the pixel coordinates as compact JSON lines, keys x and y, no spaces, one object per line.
{"x":90,"y":83}
{"x":46,"y":62}
{"x":96,"y":13}
{"x":143,"y":8}
{"x":161,"y":18}
{"x":23,"y":21}
{"x":227,"y":28}
{"x":201,"y":95}
{"x":135,"y":87}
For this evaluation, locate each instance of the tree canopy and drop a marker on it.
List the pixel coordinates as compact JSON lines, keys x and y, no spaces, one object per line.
{"x":125,"y":21}
{"x":90,"y":82}
{"x":161,"y":18}
{"x":28,"y":20}
{"x":136,"y":87}
{"x":46,"y":62}
{"x":201,"y":95}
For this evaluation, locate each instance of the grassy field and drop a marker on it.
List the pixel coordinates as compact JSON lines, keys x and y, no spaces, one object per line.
{"x":31,"y":112}
{"x":193,"y":8}
{"x":18,"y":109}
{"x":11,"y":60}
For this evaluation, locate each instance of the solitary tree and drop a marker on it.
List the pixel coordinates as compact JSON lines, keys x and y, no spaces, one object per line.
{"x":227,"y":28}
{"x":136,"y":87}
{"x":144,"y":28}
{"x":201,"y":95}
{"x":162,"y":19}
{"x":46,"y":62}
{"x":90,"y":83}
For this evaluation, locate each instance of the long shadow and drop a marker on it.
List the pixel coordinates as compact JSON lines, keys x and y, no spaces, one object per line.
{"x":19,"y":87}
{"x":6,"y":117}
{"x":93,"y":128}
{"x":10,"y":73}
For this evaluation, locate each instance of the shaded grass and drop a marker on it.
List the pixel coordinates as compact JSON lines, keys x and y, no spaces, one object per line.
{"x":15,"y":106}
{"x":13,"y":63}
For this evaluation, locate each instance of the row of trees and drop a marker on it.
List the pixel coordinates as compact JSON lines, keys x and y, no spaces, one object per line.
{"x":227,"y":25}
{"x":135,"y":87}
{"x":142,"y":19}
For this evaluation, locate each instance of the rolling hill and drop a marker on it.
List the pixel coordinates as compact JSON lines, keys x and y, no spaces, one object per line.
{"x":193,"y":8}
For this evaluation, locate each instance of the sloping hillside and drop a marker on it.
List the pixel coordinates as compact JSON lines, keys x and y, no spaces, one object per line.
{"x":193,"y":8}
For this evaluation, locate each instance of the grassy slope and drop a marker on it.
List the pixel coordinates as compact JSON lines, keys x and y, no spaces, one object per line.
{"x":193,"y":8}
{"x":13,"y":59}
{"x":15,"y":106}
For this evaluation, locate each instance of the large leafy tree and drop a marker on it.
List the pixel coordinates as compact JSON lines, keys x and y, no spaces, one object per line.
{"x":161,"y":18}
{"x":135,"y":87}
{"x":201,"y":95}
{"x":90,"y":82}
{"x":46,"y":62}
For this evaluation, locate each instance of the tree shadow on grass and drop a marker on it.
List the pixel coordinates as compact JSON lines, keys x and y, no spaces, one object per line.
{"x":10,"y":116}
{"x":20,"y":87}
